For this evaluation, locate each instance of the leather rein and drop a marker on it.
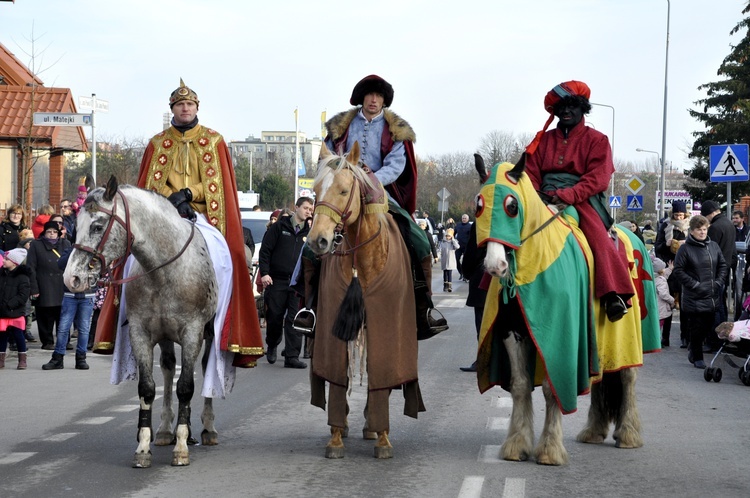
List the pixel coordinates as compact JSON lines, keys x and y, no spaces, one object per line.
{"x":98,"y":253}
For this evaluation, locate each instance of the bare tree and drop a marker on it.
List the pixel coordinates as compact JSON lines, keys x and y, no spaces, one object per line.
{"x":502,"y":146}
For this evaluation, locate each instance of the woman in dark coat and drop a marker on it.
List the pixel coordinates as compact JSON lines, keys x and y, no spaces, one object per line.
{"x":14,"y":222}
{"x":700,"y":268}
{"x":47,"y":288}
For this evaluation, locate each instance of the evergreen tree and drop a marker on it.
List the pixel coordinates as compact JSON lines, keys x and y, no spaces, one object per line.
{"x":726,"y":115}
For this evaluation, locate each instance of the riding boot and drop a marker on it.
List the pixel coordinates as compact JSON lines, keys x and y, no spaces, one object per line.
{"x":56,"y":363}
{"x":21,"y":361}
{"x":424,"y":304}
{"x":81,"y":362}
{"x":2,"y":360}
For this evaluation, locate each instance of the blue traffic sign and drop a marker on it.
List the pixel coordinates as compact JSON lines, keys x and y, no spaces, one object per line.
{"x":615,"y":201}
{"x":635,"y":203}
{"x":729,"y":163}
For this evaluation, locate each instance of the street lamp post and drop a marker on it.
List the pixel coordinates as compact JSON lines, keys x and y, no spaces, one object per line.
{"x":664,"y":118}
{"x":661,"y":180}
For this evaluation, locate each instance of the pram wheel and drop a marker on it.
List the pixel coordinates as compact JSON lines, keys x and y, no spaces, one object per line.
{"x":745,"y":378}
{"x":717,"y":374}
{"x":707,"y":374}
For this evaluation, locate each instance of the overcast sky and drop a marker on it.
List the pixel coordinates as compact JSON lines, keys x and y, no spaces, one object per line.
{"x":459,"y":68}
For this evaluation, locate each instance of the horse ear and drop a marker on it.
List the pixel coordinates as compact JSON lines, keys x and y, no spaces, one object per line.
{"x":481,"y":169}
{"x":353,"y":156}
{"x":111,"y":190}
{"x":324,"y":152}
{"x":519,"y":168}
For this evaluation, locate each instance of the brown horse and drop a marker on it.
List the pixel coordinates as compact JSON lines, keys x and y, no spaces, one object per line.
{"x":366,"y":306}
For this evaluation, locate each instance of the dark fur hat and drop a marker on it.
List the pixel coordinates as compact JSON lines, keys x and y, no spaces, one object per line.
{"x":369,"y":84}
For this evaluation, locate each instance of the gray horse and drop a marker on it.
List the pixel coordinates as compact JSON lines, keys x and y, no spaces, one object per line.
{"x":171,"y":297}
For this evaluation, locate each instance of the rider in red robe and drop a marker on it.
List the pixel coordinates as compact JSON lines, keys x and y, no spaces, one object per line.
{"x":573,"y":164}
{"x":190,"y":164}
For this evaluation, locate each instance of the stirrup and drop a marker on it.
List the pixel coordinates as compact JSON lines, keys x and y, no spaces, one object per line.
{"x":437,"y":325}
{"x":302,"y":321}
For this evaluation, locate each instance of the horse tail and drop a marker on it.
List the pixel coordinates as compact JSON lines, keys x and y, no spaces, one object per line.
{"x":351,"y":314}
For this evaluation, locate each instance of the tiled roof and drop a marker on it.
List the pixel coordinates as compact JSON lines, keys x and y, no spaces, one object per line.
{"x":16,"y":115}
{"x":13,"y":71}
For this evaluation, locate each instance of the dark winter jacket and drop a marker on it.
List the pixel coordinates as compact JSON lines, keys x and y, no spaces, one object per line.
{"x":42,"y":259}
{"x":9,"y":235}
{"x":700,"y":269}
{"x":280,"y":249}
{"x":462,"y":233}
{"x":15,"y":289}
{"x":723,"y":232}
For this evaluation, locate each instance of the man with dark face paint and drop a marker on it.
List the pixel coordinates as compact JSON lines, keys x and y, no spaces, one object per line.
{"x":573,"y":165}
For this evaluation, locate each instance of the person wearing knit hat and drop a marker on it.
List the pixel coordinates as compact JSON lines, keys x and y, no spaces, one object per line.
{"x":573,"y":165}
{"x":15,"y":288}
{"x":386,"y":143}
{"x":190,"y":165}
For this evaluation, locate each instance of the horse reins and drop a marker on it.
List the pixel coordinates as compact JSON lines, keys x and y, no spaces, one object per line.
{"x":98,"y":252}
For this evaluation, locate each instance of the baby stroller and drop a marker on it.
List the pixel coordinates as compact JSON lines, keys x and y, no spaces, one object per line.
{"x":736,"y":344}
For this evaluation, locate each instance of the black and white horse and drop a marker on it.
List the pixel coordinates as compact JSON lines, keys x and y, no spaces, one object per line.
{"x":171,"y":296}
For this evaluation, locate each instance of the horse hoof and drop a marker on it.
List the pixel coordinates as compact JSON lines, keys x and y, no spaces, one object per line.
{"x":369,"y":435}
{"x":209,"y":438}
{"x":589,"y":436}
{"x":142,"y":460}
{"x":334,"y":452}
{"x":164,"y":439}
{"x":180,"y":459}
{"x":383,"y":452}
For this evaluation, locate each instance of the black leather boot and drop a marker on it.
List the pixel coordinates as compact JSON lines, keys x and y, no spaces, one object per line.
{"x":56,"y":363}
{"x":81,"y":362}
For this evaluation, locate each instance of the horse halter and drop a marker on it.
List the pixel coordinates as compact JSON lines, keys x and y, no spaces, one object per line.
{"x":98,"y":252}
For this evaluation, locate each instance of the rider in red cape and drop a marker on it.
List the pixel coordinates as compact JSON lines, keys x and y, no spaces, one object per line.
{"x":190,"y":164}
{"x":573,"y":164}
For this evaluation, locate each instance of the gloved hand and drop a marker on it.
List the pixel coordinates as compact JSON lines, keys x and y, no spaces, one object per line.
{"x":184,"y":195}
{"x":186,"y":211}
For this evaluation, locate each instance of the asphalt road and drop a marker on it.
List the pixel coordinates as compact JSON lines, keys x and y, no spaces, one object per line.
{"x":71,"y":433}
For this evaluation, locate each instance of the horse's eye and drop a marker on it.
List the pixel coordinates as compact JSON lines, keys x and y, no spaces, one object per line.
{"x":479,"y":201}
{"x":511,"y":206}
{"x":97,"y":229}
{"x":344,"y":192}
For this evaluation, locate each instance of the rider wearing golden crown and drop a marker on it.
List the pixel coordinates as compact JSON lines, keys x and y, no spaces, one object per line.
{"x":387,"y":144}
{"x":190,"y":165}
{"x":573,"y":165}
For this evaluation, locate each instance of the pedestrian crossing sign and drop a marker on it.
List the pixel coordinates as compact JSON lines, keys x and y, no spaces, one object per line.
{"x":615,"y":201}
{"x":635,"y":203}
{"x":729,"y":163}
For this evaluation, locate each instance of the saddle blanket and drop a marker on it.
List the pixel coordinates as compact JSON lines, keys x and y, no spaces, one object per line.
{"x":220,"y":374}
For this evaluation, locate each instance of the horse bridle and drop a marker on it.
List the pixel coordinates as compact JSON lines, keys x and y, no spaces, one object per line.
{"x":340,"y":216}
{"x":98,"y":253}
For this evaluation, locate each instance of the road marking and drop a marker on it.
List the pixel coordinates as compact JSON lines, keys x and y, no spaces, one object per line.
{"x":502,"y":402}
{"x":95,"y":420}
{"x":122,"y":408}
{"x":471,"y":487}
{"x":16,"y":457}
{"x":514,"y":488}
{"x":63,"y":436}
{"x":451,"y":302}
{"x":497,"y":423}
{"x":489,"y":454}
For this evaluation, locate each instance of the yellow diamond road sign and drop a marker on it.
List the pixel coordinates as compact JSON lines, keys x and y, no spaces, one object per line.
{"x":635,"y":184}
